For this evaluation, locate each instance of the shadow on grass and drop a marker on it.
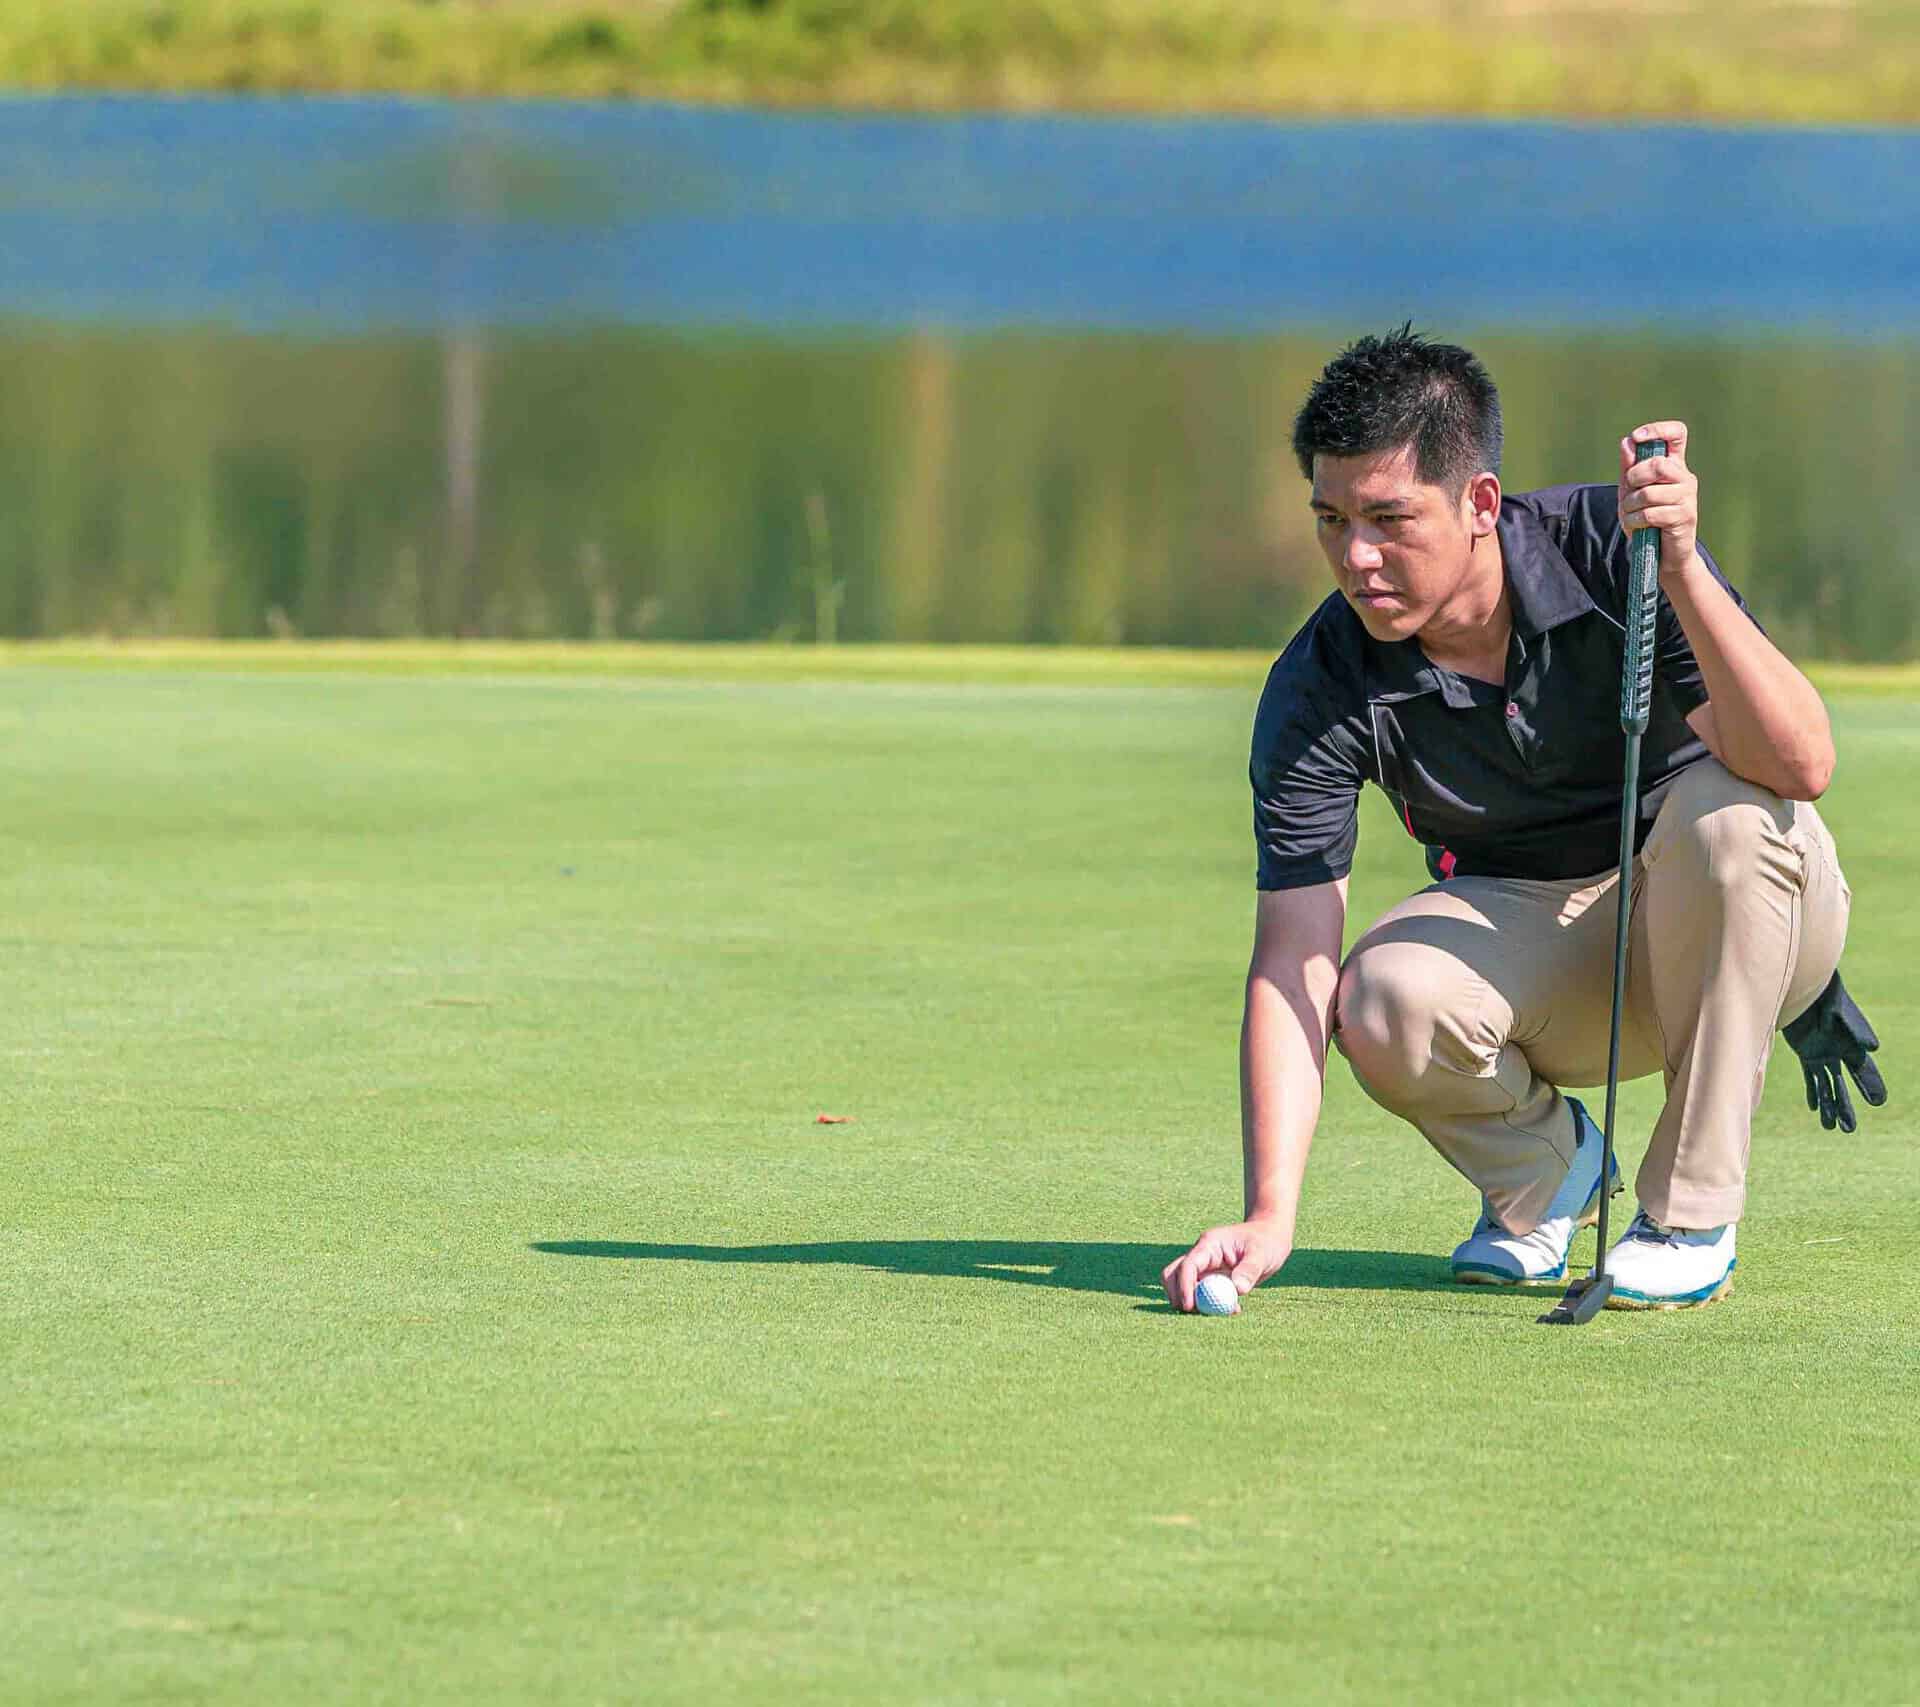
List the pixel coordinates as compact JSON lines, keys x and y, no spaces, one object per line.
{"x":1127,"y":1271}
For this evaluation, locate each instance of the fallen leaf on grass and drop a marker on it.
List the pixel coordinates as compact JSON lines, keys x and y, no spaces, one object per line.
{"x":833,"y":1120}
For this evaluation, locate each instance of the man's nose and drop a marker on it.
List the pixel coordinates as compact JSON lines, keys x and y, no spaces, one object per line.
{"x":1362,"y":554}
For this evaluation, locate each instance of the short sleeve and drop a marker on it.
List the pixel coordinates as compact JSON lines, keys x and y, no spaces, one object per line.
{"x":1674,"y":665}
{"x":1308,"y":764}
{"x":1676,"y":672}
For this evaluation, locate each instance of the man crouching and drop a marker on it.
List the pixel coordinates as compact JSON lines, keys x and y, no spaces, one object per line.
{"x":1469,"y":666}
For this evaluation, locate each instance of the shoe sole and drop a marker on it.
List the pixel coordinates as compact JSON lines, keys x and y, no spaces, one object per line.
{"x":1618,"y":1300}
{"x":1492,"y":1277}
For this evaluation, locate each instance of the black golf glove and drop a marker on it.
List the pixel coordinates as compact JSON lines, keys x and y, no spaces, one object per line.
{"x":1832,"y":1034}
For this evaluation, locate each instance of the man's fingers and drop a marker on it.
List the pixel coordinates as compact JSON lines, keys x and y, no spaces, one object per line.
{"x":1649,"y":501}
{"x":1185,"y":1274}
{"x":1843,"y":1103}
{"x":1867,"y":1076}
{"x":1170,"y":1283}
{"x":1813,"y":1106}
{"x":1245,"y":1253}
{"x":1829,"y":1103}
{"x":1663,"y":515}
{"x":1649,"y":497}
{"x":1674,"y":432}
{"x":1657,"y":471}
{"x":1181,"y":1291}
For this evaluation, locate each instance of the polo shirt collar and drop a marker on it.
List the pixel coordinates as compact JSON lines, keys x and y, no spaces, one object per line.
{"x":1402,"y":671}
{"x":1541,"y":586}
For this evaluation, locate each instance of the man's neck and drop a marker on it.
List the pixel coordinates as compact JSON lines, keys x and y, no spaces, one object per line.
{"x":1469,"y":633}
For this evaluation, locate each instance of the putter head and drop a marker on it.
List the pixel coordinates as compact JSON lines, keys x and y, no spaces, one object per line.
{"x":1581,"y":1302}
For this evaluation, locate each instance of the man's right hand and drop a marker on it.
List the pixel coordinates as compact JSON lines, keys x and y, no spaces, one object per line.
{"x":1247,"y":1252}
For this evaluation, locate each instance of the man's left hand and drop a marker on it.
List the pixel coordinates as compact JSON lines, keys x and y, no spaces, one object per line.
{"x":1661,"y":493}
{"x":1831,"y":1035}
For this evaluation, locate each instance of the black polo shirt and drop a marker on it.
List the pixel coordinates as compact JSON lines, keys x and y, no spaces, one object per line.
{"x":1515,"y":781}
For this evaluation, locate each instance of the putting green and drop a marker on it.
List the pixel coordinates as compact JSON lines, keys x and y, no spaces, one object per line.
{"x":427,"y":1279}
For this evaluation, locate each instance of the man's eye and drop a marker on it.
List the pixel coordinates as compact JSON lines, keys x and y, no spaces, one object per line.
{"x":1327,"y":521}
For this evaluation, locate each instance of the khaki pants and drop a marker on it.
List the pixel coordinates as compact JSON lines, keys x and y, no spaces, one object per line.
{"x":1465,"y":1008}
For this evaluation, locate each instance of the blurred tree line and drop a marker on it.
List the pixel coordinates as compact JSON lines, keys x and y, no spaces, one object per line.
{"x":1014,"y":487}
{"x":1799,"y":61}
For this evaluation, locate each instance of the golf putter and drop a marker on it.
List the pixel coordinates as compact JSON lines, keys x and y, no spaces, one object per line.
{"x":1582,"y":1300}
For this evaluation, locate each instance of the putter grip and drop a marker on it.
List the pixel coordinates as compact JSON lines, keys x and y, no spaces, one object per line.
{"x":1643,"y":601}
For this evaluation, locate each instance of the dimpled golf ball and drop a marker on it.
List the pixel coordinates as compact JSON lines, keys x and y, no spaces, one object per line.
{"x":1216,"y":1295}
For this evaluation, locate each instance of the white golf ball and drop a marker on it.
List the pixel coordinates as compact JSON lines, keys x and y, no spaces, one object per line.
{"x":1216,"y":1295}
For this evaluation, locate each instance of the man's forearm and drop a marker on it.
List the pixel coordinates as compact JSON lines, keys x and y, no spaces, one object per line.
{"x":1283,"y":1058}
{"x":1769,"y":720}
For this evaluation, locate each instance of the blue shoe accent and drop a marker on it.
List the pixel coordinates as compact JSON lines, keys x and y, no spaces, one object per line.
{"x":1586,"y":1130}
{"x":1699,"y":1296}
{"x":1490,"y":1255}
{"x":1655,"y":1267}
{"x":1471,"y":1273}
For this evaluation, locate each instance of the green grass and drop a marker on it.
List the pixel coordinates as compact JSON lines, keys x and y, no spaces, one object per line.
{"x":980,"y":666}
{"x":1793,"y":60}
{"x":426,"y":1280}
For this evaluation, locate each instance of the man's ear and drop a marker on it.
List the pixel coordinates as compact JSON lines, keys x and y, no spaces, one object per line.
{"x":1480,"y":505}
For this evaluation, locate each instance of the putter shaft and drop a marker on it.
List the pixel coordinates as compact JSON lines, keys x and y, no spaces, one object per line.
{"x":1583,"y":1298}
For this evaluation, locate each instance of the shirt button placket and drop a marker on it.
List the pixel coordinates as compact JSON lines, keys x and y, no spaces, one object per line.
{"x":1515,"y":728}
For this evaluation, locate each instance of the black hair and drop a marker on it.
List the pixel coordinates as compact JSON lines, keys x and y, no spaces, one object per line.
{"x":1404,"y":389}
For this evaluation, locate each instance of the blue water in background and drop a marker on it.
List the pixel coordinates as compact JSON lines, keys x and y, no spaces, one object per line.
{"x":349,"y":216}
{"x":343,"y":367}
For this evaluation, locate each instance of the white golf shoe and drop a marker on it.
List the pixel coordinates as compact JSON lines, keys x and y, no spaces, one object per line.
{"x":1491,"y":1256}
{"x":1669,"y":1268}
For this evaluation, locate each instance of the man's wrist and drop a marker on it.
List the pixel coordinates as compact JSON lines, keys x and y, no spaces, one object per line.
{"x":1681,"y":579}
{"x":1268,"y":1213}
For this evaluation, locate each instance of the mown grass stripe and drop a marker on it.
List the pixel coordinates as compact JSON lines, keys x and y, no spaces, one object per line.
{"x":1011,"y":665}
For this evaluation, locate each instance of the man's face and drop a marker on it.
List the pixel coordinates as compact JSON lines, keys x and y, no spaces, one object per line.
{"x":1398,"y":549}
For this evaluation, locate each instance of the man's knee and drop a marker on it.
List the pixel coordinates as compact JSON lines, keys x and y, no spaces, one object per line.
{"x":1375,"y":1013}
{"x":1397,"y":1016}
{"x":1719,"y":830}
